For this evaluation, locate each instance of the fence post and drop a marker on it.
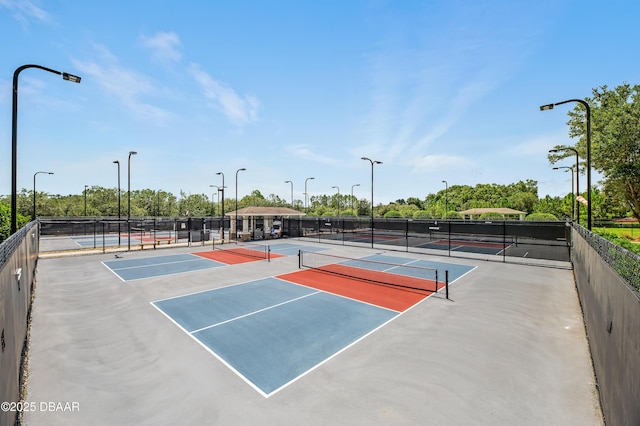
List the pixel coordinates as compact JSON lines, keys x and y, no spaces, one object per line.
{"x":446,"y":283}
{"x":406,"y":237}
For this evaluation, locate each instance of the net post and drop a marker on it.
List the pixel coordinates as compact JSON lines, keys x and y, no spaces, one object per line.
{"x":446,"y":283}
{"x":299,"y":259}
{"x":436,"y":282}
{"x":268,"y":250}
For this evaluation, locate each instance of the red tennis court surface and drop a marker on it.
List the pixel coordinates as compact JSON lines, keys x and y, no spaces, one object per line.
{"x":387,"y":296}
{"x":236,"y":255}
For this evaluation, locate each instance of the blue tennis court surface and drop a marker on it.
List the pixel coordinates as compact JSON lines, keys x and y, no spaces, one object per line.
{"x":270,"y":331}
{"x":99,"y":240}
{"x":395,"y":263}
{"x":134,"y":269}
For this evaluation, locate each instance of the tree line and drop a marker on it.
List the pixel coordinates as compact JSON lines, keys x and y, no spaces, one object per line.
{"x":614,"y":152}
{"x":98,"y":201}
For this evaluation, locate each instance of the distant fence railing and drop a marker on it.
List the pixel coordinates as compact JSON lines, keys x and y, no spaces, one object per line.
{"x":18,"y":259}
{"x":62,"y":234}
{"x":515,"y":241}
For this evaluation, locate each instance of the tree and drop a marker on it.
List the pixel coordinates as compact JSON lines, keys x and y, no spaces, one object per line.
{"x":615,"y":140}
{"x":5,"y":220}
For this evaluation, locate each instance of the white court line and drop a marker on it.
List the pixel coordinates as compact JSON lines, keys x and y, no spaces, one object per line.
{"x":160,"y":264}
{"x":255,"y":312}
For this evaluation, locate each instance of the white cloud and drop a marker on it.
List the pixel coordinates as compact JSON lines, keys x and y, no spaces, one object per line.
{"x":125,"y":84}
{"x":304,"y":152}
{"x":24,"y":10}
{"x":164,"y":46}
{"x":240,"y":110}
{"x":442,"y":163}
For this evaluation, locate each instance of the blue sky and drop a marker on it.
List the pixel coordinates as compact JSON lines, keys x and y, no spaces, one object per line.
{"x":436,"y":90}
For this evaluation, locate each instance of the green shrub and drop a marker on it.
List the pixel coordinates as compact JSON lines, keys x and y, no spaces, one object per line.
{"x":421,"y":214}
{"x":392,"y":213}
{"x":541,"y":216}
{"x":620,"y":241}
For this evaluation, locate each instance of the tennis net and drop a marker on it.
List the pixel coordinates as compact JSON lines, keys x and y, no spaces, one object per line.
{"x":256,"y":252}
{"x":384,"y":273}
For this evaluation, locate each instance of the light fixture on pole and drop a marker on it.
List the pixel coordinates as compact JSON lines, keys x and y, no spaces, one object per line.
{"x":288,"y":181}
{"x":129,"y":199}
{"x":34,"y":191}
{"x":118,"y":163}
{"x":222,"y":214}
{"x":338,"y":188}
{"x":85,"y":200}
{"x":588,"y":120}
{"x":373,"y":162}
{"x":306,"y":195}
{"x":14,"y":135}
{"x":236,"y":227}
{"x":213,"y":208}
{"x":352,"y":201}
{"x":446,"y":199}
{"x":577,"y":170}
{"x":129,"y":184}
{"x":573,"y":196}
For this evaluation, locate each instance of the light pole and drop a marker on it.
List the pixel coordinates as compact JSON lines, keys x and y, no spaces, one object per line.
{"x":129,"y":200}
{"x":288,"y":181}
{"x":213,"y":207}
{"x":373,"y":162}
{"x":573,"y":197}
{"x":306,"y":195}
{"x":118,"y":163}
{"x":129,"y":184}
{"x":352,"y":186}
{"x":588,"y":120}
{"x":577,"y":205}
{"x":85,"y":200}
{"x":14,"y":136}
{"x":222,"y":214}
{"x":338,"y":188}
{"x":446,"y":199}
{"x":34,"y":191}
{"x":239,"y":170}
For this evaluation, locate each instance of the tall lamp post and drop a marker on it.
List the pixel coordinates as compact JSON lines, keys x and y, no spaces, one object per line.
{"x":118,"y":163}
{"x":222,"y":214}
{"x":306,"y":194}
{"x":288,"y":181}
{"x":446,"y":199}
{"x":14,"y":136}
{"x":352,"y":186}
{"x":588,"y":120}
{"x":577,"y":170}
{"x":338,"y":188}
{"x":213,"y":206}
{"x":239,"y":170}
{"x":373,"y":162}
{"x":573,"y":196}
{"x":34,"y":191}
{"x":129,"y":198}
{"x":129,"y":184}
{"x":85,"y":200}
